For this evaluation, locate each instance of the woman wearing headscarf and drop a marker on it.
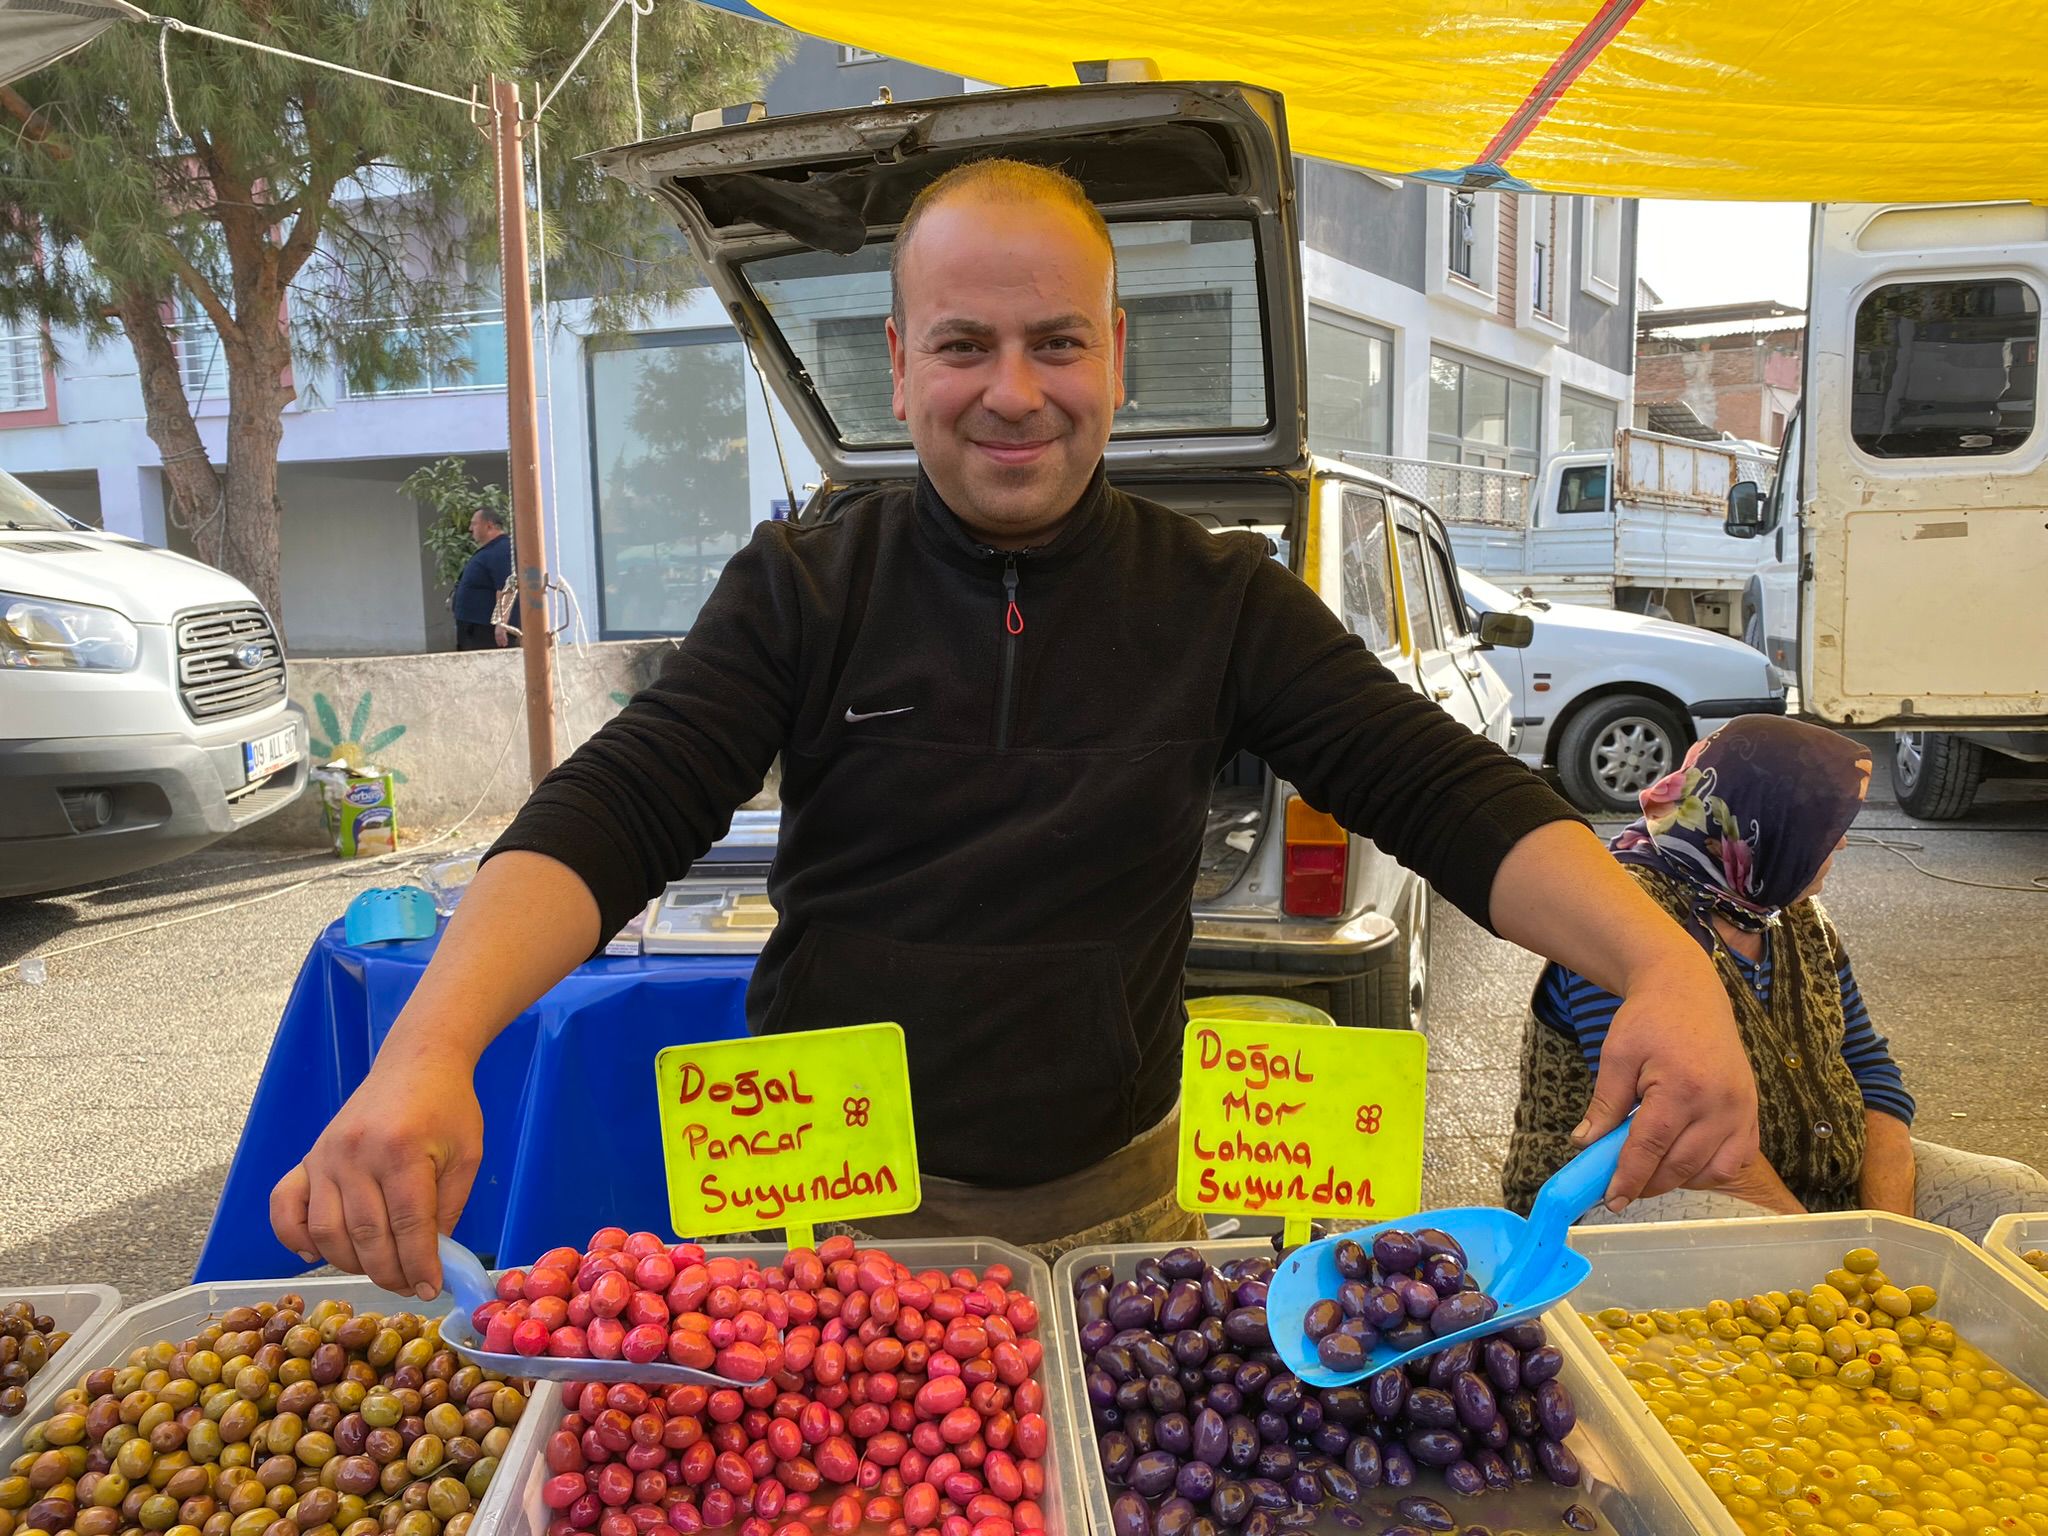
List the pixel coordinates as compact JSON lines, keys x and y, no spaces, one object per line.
{"x":1735,"y":845}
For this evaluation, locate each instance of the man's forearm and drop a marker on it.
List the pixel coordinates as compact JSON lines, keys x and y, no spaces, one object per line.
{"x":1560,"y":893}
{"x":525,"y":922}
{"x":1888,"y":1180}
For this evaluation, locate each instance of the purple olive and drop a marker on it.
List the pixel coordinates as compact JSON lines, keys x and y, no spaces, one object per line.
{"x":1091,"y":1304}
{"x":1519,"y":1409}
{"x":1350,"y":1519}
{"x":1432,"y":1408}
{"x":1117,"y":1454}
{"x":1276,"y":1463}
{"x":1218,"y":1295}
{"x":1274,"y":1429}
{"x":1493,"y":1468}
{"x":1351,"y":1297}
{"x":1208,"y":1437}
{"x":1337,"y":1483}
{"x":1503,"y":1364}
{"x":1152,"y":1357}
{"x":1464,"y":1479}
{"x":1116,"y":1360}
{"x":1251,"y":1376}
{"x":1426,"y":1513}
{"x":1135,"y":1396}
{"x":1231,"y":1502}
{"x":1153,"y":1473}
{"x":1321,"y":1319}
{"x":1554,"y":1408}
{"x":1246,"y":1327}
{"x":1447,"y":1364}
{"x":1203,"y":1526}
{"x":1387,"y":1393}
{"x":1262,"y":1522}
{"x":1433,"y":1240}
{"x":1096,"y":1277}
{"x":1225,"y":1398}
{"x":1580,"y":1518}
{"x":1362,"y":1461}
{"x":1345,"y":1405}
{"x":1308,"y":1418}
{"x":1417,"y":1300}
{"x":1397,"y":1467}
{"x":1182,"y":1264}
{"x":1444,"y":1273}
{"x":1527,"y":1334}
{"x":1353,"y":1262}
{"x":1474,"y":1400}
{"x":1172,"y":1433}
{"x":1382,"y":1307}
{"x":1540,"y":1365}
{"x":1096,"y":1334}
{"x":1412,"y":1334}
{"x":1558,"y":1463}
{"x":1173,"y":1518}
{"x":1401,"y":1530}
{"x":1129,"y":1515}
{"x":1521,"y":1461}
{"x":1305,"y":1488}
{"x":1244,"y":1442}
{"x":1342,"y":1352}
{"x":1396,"y":1252}
{"x":1250,"y":1293}
{"x":1182,"y":1308}
{"x":1467,"y":1309}
{"x":1142,"y":1429}
{"x":1496,"y":1435}
{"x":1165,"y":1394}
{"x":1435,"y":1447}
{"x":1195,"y":1481}
{"x":1267,"y":1494}
{"x":1131,"y":1307}
{"x":1331,"y":1439}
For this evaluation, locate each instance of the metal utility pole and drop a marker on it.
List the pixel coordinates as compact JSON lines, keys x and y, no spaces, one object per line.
{"x":523,"y":437}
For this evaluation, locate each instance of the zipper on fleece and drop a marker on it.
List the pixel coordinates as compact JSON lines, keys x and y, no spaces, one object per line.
{"x":1013,"y":634}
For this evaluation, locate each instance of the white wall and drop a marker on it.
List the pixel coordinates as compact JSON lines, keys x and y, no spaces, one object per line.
{"x":351,"y":576}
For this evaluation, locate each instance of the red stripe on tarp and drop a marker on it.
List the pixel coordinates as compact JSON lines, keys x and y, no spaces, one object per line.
{"x":1606,"y":25}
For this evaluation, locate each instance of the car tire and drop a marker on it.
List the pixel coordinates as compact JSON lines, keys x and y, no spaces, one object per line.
{"x":1614,"y":749}
{"x":1396,"y":995}
{"x":1935,"y":775}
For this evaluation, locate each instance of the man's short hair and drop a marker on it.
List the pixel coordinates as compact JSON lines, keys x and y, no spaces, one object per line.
{"x":493,"y":516}
{"x":999,"y":181}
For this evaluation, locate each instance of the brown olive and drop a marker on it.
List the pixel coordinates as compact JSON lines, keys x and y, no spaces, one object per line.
{"x":479,"y":1476}
{"x":188,"y":1481}
{"x":159,"y":1512}
{"x":276,"y":1471}
{"x":253,"y":1522}
{"x":97,"y":1521}
{"x":362,"y":1526}
{"x":49,"y":1515}
{"x":240,"y":1421}
{"x":383,"y":1446}
{"x":198,"y":1509}
{"x":356,"y":1474}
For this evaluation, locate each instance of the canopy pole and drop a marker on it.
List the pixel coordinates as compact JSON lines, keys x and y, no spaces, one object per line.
{"x":523,"y":433}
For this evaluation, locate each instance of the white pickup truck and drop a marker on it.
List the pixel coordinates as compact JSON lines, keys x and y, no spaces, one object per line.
{"x":1638,"y":528}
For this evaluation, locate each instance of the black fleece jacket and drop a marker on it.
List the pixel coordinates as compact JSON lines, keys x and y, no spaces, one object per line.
{"x":996,"y":769}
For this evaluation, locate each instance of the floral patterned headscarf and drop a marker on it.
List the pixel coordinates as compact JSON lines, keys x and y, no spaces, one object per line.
{"x":1750,"y":817}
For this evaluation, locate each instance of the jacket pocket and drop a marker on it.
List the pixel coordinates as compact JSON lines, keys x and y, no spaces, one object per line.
{"x":1023,"y":1064}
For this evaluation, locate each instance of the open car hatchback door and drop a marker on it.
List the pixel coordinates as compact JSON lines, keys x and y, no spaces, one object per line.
{"x":1925,"y":467}
{"x":795,"y":219}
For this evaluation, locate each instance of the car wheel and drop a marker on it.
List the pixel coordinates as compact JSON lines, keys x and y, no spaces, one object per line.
{"x":1396,"y":995}
{"x":1614,"y":749}
{"x":1935,"y":775}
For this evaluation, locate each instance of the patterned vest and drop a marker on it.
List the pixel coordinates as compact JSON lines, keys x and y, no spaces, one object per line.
{"x":1810,"y":1110}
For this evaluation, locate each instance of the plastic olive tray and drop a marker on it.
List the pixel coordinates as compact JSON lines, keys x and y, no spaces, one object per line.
{"x":183,"y":1313}
{"x":2011,"y":1236}
{"x":523,"y":1514}
{"x":81,"y":1310}
{"x":1625,"y":1483}
{"x":1689,"y":1263}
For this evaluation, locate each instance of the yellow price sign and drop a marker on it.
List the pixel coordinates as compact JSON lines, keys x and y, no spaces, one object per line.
{"x":788,"y":1131}
{"x":1300,"y":1121}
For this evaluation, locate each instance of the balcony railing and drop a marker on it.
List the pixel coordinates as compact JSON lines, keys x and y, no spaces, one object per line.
{"x":202,"y":364}
{"x":470,"y":348}
{"x":21,"y":373}
{"x":1461,"y":493}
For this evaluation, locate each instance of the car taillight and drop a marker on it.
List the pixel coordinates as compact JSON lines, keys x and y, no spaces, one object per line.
{"x":1318,"y":853}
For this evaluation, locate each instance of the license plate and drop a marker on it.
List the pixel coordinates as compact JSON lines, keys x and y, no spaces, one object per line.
{"x":266,"y":754}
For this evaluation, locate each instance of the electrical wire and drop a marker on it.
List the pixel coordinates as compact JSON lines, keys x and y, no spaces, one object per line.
{"x":354,"y":870}
{"x":171,"y":24}
{"x":2037,"y":884}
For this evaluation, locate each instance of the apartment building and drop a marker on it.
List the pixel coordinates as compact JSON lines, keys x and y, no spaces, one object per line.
{"x":1479,"y":328}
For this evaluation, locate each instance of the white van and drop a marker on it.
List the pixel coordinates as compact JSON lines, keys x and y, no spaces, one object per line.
{"x":1909,"y":514}
{"x":142,"y":703}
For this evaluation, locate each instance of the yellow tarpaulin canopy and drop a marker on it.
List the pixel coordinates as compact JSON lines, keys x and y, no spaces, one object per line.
{"x":1876,"y":100}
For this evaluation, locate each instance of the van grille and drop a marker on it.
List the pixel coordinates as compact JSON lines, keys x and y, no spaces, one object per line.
{"x":229,"y":663}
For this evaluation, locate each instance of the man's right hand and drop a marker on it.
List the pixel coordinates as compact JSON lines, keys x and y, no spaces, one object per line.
{"x":389,"y":1174}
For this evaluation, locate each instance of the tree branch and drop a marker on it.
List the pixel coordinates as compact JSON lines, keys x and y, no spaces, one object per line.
{"x":33,"y":128}
{"x":202,"y":290}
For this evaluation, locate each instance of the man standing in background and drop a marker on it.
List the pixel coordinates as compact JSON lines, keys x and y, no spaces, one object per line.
{"x":476,"y":590}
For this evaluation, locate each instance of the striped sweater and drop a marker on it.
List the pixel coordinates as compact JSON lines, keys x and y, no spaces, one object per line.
{"x":1572,"y":1005}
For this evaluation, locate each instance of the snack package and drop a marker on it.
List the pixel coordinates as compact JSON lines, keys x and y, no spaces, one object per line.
{"x":360,"y":808}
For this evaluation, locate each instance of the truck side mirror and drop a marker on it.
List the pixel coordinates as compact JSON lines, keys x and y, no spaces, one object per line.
{"x":1745,"y":519}
{"x":1513,"y":630}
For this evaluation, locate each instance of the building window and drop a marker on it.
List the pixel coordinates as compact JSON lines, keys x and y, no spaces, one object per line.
{"x":21,"y":371}
{"x":1946,"y":369}
{"x":1480,"y":416}
{"x":848,"y":54}
{"x":668,"y":424}
{"x":469,"y":356}
{"x":202,"y":366}
{"x":1586,"y":423}
{"x":1461,"y":236}
{"x":1602,"y":277}
{"x":1350,"y":387}
{"x":1541,"y":212}
{"x":1464,"y":234}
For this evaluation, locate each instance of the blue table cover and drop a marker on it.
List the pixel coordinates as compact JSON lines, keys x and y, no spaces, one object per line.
{"x":571,"y":1137}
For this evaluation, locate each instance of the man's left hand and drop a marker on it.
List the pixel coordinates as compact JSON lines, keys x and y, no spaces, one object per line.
{"x":504,"y":636}
{"x":1674,"y":1048}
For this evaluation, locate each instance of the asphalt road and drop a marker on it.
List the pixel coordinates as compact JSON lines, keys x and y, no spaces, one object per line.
{"x":125,"y":1073}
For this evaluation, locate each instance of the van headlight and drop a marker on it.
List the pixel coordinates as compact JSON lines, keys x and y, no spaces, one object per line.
{"x":63,"y":637}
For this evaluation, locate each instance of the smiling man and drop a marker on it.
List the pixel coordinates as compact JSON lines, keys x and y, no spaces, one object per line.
{"x":1000,"y":696}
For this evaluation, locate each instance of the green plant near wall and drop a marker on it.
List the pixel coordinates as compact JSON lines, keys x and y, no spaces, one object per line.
{"x":447,"y":487}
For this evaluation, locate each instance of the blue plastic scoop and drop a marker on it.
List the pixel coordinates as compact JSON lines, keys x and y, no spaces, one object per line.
{"x":469,"y":1285}
{"x":1526,"y":1266}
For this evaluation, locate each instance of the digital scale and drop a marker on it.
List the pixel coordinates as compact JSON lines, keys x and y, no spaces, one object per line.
{"x":722,"y":907}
